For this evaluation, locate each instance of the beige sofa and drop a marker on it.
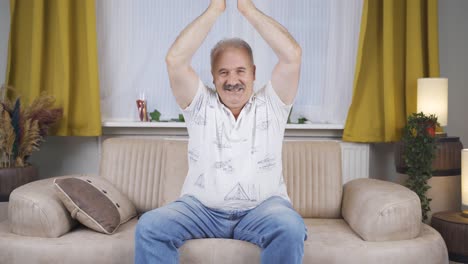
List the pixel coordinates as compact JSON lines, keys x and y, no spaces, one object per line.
{"x":364,"y":221}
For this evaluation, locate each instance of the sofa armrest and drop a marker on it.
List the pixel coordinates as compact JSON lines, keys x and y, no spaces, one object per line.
{"x":35,"y":210}
{"x":381,"y":211}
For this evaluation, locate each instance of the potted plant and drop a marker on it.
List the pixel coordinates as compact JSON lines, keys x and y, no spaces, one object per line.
{"x":419,"y":149}
{"x":22,"y":129}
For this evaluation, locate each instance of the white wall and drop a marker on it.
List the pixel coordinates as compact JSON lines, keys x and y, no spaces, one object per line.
{"x":66,"y":156}
{"x":4,"y":30}
{"x":453,"y":36}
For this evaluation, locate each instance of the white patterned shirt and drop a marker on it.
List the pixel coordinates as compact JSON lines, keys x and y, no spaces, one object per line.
{"x":235,"y":164}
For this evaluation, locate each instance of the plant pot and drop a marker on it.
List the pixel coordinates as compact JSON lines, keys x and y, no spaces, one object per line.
{"x":11,"y":178}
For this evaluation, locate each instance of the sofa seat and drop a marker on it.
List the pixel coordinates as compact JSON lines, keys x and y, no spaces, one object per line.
{"x":333,"y":241}
{"x":81,"y":245}
{"x":329,"y":241}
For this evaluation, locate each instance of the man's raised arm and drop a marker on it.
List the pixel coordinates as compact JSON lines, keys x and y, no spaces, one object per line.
{"x":184,"y":80}
{"x":285,"y":75}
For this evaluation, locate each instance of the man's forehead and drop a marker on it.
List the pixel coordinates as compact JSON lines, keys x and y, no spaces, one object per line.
{"x":233,"y":60}
{"x":232,"y":51}
{"x":226,"y":68}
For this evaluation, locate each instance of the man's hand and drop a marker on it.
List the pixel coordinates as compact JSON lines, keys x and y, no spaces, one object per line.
{"x":285,"y":75}
{"x":218,"y":5}
{"x":245,"y":5}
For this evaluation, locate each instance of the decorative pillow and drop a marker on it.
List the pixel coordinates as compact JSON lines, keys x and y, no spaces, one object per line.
{"x":95,"y":203}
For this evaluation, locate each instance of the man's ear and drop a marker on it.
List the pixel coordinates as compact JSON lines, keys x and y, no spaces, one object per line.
{"x":254,"y":71}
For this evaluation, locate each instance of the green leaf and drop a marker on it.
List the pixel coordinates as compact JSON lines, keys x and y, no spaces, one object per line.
{"x":418,"y":153}
{"x":155,"y":115}
{"x":301,"y":120}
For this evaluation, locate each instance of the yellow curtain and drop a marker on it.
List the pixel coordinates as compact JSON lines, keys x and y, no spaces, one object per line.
{"x":53,"y":50}
{"x":398,"y":44}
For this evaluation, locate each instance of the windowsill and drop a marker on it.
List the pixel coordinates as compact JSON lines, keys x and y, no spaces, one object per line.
{"x":180,"y":129}
{"x":142,"y":124}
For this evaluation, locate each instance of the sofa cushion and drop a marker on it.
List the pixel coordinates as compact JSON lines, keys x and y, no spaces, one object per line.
{"x":381,"y":211}
{"x":332,"y":241}
{"x":95,"y":203}
{"x":35,"y":210}
{"x":80,"y":245}
{"x":329,"y":241}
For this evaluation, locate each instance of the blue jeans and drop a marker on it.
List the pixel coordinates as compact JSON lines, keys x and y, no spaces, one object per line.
{"x":273,"y":225}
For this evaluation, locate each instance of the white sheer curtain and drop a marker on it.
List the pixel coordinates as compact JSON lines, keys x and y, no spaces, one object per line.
{"x":134,"y":36}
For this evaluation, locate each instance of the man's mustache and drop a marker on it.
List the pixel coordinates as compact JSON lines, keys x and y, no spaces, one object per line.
{"x":236,"y":87}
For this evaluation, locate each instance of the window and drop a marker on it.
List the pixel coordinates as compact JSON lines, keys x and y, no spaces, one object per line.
{"x":134,"y":36}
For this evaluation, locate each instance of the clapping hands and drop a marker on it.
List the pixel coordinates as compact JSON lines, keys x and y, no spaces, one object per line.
{"x":242,"y":5}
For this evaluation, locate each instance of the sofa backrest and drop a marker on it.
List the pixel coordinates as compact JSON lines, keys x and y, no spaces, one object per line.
{"x":312,"y":172}
{"x":134,"y":167}
{"x":151,"y":172}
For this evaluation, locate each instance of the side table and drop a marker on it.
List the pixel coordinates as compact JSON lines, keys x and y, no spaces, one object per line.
{"x":454,"y":229}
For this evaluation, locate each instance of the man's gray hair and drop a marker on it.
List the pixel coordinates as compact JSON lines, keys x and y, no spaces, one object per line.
{"x":230,"y":43}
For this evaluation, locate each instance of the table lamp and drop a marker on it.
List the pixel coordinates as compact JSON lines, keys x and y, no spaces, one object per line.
{"x":433,"y":98}
{"x":464,"y":154}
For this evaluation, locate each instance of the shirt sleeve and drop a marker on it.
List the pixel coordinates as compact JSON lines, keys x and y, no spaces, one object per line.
{"x":280,"y":109}
{"x":198,"y":104}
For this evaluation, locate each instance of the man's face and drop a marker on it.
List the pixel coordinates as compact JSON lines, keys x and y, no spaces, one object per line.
{"x":233,"y":76}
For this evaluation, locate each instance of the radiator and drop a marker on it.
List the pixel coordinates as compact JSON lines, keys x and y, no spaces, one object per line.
{"x":354,"y":161}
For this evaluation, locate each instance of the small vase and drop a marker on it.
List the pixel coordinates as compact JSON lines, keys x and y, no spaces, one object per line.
{"x":11,"y":178}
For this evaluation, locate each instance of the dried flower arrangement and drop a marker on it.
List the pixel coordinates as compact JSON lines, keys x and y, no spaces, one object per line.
{"x":22,"y":129}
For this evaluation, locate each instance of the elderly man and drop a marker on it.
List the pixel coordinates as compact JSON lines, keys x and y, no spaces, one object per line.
{"x":234,"y":187}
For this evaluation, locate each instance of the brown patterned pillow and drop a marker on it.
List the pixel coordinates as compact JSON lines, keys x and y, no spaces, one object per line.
{"x":95,"y":203}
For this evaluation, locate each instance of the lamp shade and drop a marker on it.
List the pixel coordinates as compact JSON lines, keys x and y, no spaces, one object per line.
{"x":433,"y":98}
{"x":464,"y":177}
